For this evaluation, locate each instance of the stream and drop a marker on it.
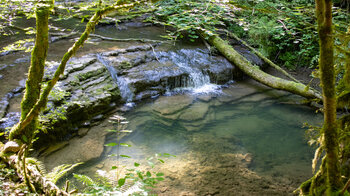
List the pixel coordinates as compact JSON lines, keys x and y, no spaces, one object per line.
{"x":221,"y":142}
{"x":238,"y":138}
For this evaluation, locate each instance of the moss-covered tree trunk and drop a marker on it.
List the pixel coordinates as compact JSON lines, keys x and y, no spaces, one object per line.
{"x":32,"y":114}
{"x":327,"y":73}
{"x":256,"y":73}
{"x":35,"y":100}
{"x":35,"y":73}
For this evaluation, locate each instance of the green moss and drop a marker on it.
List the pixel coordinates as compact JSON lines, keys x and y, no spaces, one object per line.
{"x":57,"y":95}
{"x":125,"y":65}
{"x":35,"y":76}
{"x":90,"y":74}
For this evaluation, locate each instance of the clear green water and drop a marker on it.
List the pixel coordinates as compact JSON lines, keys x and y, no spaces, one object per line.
{"x":248,"y":138}
{"x":264,"y":125}
{"x":267,"y":128}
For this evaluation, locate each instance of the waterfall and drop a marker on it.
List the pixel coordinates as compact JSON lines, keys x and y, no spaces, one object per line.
{"x":191,"y":61}
{"x":123,"y":83}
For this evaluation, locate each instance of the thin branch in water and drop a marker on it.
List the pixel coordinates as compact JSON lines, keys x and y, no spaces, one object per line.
{"x":155,"y":55}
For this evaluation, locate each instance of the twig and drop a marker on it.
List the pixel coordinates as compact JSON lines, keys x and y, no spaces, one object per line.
{"x":67,"y":186}
{"x":285,"y":27}
{"x":154,"y":52}
{"x":345,"y":187}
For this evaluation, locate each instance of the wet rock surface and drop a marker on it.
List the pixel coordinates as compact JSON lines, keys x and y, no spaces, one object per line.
{"x":149,"y":72}
{"x":85,"y":91}
{"x":76,"y":150}
{"x":93,"y":84}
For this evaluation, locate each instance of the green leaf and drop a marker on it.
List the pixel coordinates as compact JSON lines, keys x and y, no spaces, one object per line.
{"x":112,"y":155}
{"x":148,"y":174}
{"x":168,"y":155}
{"x":125,"y":156}
{"x":111,"y":130}
{"x":124,"y":144}
{"x":160,"y":174}
{"x":85,"y":179}
{"x":121,"y":182}
{"x":139,"y":174}
{"x":136,"y":164}
{"x":161,"y":160}
{"x":114,"y":167}
{"x":150,"y":164}
{"x":24,"y":138}
{"x":111,"y":144}
{"x":160,"y":179}
{"x":125,"y":131}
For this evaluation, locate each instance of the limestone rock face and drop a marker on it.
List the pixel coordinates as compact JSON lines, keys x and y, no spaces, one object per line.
{"x":94,"y":84}
{"x":85,"y":91}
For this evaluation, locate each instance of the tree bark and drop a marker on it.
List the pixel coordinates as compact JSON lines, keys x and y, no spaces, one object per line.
{"x":35,"y":74}
{"x":257,"y":74}
{"x":327,"y":73}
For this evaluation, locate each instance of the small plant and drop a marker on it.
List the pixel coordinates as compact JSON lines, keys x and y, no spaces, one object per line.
{"x":128,"y":181}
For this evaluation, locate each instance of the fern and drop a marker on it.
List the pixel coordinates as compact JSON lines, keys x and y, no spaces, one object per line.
{"x":38,"y":164}
{"x":59,"y":171}
{"x":86,"y":180}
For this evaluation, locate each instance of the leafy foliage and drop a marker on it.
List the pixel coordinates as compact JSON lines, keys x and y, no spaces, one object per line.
{"x":284,"y":31}
{"x":134,"y":180}
{"x":189,"y":16}
{"x":9,"y":182}
{"x":59,"y":171}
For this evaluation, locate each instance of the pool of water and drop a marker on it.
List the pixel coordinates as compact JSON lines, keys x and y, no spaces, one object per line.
{"x":253,"y":133}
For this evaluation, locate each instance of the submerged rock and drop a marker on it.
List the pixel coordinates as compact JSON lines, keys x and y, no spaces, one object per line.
{"x":76,"y":150}
{"x":197,"y":111}
{"x":173,"y":104}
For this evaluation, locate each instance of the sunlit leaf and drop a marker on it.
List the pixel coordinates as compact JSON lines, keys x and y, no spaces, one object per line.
{"x":111,"y":130}
{"x":124,"y":144}
{"x":161,"y":160}
{"x":159,"y":174}
{"x":114,"y":167}
{"x":111,"y":144}
{"x":121,"y":182}
{"x":126,"y":131}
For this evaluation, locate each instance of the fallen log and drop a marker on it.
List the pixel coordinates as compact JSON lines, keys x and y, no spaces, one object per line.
{"x":263,"y":57}
{"x":257,"y":74}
